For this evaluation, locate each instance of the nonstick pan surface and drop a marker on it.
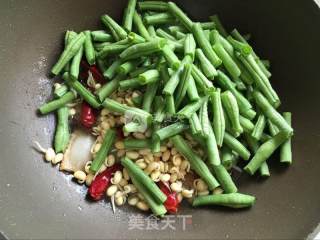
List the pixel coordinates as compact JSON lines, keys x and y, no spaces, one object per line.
{"x":38,"y":201}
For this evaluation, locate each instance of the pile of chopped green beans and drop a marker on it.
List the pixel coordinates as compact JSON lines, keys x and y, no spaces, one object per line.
{"x":195,"y":77}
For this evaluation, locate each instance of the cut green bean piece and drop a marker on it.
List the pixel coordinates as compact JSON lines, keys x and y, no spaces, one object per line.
{"x":224,"y":179}
{"x":180,"y":15}
{"x":189,"y":45}
{"x":246,"y":124}
{"x":228,"y":158}
{"x":153,"y":6}
{"x":195,"y":124}
{"x":272,"y":114}
{"x":218,"y":25}
{"x":101,"y":36}
{"x":159,"y":18}
{"x":201,"y":79}
{"x":140,"y":26}
{"x":127,"y":67}
{"x":208,"y":69}
{"x":208,"y":25}
{"x":273,"y":129}
{"x":111,"y":71}
{"x":264,"y":152}
{"x":109,"y":88}
{"x":135,"y":38}
{"x":232,"y":200}
{"x":88,"y":49}
{"x":157,"y":209}
{"x":101,"y":155}
{"x":143,"y":49}
{"x":67,"y":39}
{"x":170,"y":106}
{"x":117,"y":31}
{"x":171,"y":130}
{"x":75,"y":65}
{"x":149,"y":76}
{"x":62,"y":134}
{"x":285,"y":150}
{"x":128,"y":15}
{"x":230,"y":105}
{"x":142,"y":177}
{"x":149,"y":95}
{"x":135,"y":144}
{"x":112,"y":49}
{"x":264,"y":170}
{"x":60,"y":91}
{"x":152,"y":31}
{"x":236,"y":146}
{"x":171,"y":57}
{"x":205,"y":45}
{"x":259,"y":127}
{"x":244,"y":48}
{"x":58,"y":103}
{"x":192,"y":90}
{"x":183,"y":85}
{"x":173,"y":82}
{"x":161,"y":33}
{"x":191,"y":108}
{"x":218,"y":116}
{"x":195,"y":161}
{"x":69,"y":52}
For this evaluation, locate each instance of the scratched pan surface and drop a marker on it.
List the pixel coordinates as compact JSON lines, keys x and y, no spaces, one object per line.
{"x":38,"y":201}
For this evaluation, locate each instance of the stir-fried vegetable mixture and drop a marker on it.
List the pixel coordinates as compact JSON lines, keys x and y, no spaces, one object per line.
{"x":162,"y":108}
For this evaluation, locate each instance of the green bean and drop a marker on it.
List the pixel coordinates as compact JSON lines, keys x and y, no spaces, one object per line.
{"x":161,"y":33}
{"x":179,"y":28}
{"x":170,"y":106}
{"x":195,"y":124}
{"x":228,"y":158}
{"x":101,"y":36}
{"x":132,"y":83}
{"x":149,"y":95}
{"x":285,"y":150}
{"x":173,"y":82}
{"x":211,"y":143}
{"x":201,"y":79}
{"x":143,"y":116}
{"x":62,"y":135}
{"x":227,"y":61}
{"x":117,"y":31}
{"x":183,"y":85}
{"x":171,"y":130}
{"x":159,"y":18}
{"x":75,"y":65}
{"x":259,"y":127}
{"x":232,"y":200}
{"x":236,"y":146}
{"x":239,"y":84}
{"x":67,"y":39}
{"x":107,"y":89}
{"x":195,"y":161}
{"x":135,"y":73}
{"x":224,"y":179}
{"x":218,"y":25}
{"x":218,"y":116}
{"x":58,"y":103}
{"x":143,"y":49}
{"x":244,"y":48}
{"x":128,"y":15}
{"x":157,"y":209}
{"x":180,"y":35}
{"x":191,"y":108}
{"x":135,"y":38}
{"x":152,"y":31}
{"x":134,"y":144}
{"x":208,"y":69}
{"x":148,"y":183}
{"x":111,"y":71}
{"x":99,"y":46}
{"x":246,"y":124}
{"x":189,"y":45}
{"x":273,"y":130}
{"x":101,"y":155}
{"x":208,"y":25}
{"x":137,"y":101}
{"x":230,"y":105}
{"x":263,"y":68}
{"x":62,"y":90}
{"x":127,"y":67}
{"x":150,"y":76}
{"x":68,"y":53}
{"x":112,"y":49}
{"x":88,"y":48}
{"x":159,"y":109}
{"x":153,"y":6}
{"x":140,"y":26}
{"x":272,"y":114}
{"x":264,"y":152}
{"x":207,"y":34}
{"x":180,"y":15}
{"x":192,"y":90}
{"x":264,"y":170}
{"x":171,"y":57}
{"x":205,"y":45}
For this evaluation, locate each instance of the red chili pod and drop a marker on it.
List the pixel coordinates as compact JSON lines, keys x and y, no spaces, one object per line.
{"x":172,"y":202}
{"x":87,"y":116}
{"x":101,"y":182}
{"x":97,"y":75}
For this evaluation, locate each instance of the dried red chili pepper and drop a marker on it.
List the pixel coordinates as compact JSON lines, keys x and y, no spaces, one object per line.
{"x":102,"y":181}
{"x":172,"y":202}
{"x":97,"y":75}
{"x":87,"y":116}
{"x":120,"y":134}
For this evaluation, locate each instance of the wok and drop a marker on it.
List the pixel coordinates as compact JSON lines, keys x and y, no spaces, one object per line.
{"x":37,"y":201}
